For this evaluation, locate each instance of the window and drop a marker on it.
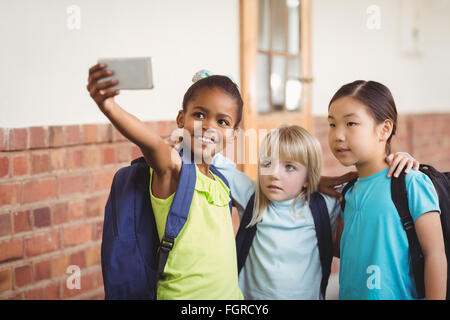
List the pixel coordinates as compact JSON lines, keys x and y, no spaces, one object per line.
{"x":275,"y":56}
{"x":279,"y":80}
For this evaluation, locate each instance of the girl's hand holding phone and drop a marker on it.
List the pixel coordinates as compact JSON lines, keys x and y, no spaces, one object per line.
{"x":99,"y":91}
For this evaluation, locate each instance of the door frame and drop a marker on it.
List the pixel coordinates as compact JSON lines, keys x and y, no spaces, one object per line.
{"x":251,"y":119}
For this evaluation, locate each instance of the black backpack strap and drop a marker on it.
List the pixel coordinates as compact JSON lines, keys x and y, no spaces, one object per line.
{"x":324,"y":237}
{"x":344,"y":191}
{"x":244,"y":237}
{"x":400,"y":198}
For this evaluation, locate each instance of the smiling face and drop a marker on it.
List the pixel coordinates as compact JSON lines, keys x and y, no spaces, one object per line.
{"x":354,"y":136}
{"x":282,"y":179}
{"x":209,"y":120}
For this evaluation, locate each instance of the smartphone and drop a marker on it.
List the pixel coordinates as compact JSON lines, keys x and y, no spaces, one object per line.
{"x":132,"y":73}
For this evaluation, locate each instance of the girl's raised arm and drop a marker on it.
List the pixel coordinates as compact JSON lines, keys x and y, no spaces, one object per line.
{"x":161,"y":157}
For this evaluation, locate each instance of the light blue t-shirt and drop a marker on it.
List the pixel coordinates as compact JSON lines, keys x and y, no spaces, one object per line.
{"x":375,"y":261}
{"x":283,"y":261}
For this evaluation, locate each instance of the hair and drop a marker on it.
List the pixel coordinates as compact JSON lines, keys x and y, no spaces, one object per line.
{"x":216,"y":81}
{"x":376,"y":97}
{"x":293,"y":143}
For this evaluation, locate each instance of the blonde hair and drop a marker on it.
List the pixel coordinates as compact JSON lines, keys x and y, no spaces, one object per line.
{"x":293,"y":143}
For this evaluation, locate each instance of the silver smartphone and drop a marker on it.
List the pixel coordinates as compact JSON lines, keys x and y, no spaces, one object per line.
{"x":132,"y":73}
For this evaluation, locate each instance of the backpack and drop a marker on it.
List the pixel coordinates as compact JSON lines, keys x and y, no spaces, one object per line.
{"x":245,"y":235}
{"x":132,"y":257}
{"x":441,"y":182}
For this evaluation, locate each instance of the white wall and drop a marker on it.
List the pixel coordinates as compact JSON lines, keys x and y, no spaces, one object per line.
{"x":44,"y":64}
{"x":345,"y":49}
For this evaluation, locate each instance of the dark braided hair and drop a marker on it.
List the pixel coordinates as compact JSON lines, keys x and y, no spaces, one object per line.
{"x":216,"y":81}
{"x":376,"y":97}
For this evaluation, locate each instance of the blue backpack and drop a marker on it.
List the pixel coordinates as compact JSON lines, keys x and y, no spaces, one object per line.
{"x":132,"y":256}
{"x":244,"y":237}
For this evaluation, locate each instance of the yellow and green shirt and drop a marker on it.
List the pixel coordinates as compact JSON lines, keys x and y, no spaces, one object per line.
{"x":202,"y":264}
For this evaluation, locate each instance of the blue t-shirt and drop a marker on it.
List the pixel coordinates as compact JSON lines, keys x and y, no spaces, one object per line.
{"x":283,"y":261}
{"x":375,"y":261}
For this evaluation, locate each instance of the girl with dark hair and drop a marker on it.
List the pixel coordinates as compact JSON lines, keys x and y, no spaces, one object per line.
{"x":202,"y":263}
{"x":375,"y":262}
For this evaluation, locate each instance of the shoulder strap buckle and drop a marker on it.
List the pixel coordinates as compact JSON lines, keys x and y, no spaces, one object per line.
{"x":408,"y":225}
{"x":167,"y":242}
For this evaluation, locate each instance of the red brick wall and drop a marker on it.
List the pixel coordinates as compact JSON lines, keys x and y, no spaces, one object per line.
{"x":54,"y":183}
